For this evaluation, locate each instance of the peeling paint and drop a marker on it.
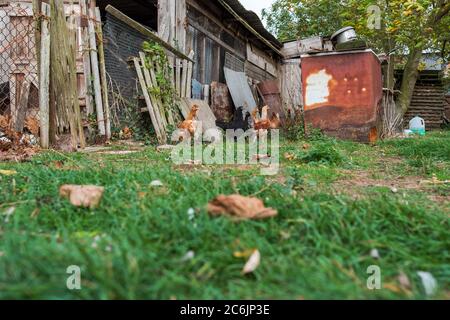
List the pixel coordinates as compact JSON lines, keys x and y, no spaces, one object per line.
{"x":317,"y":88}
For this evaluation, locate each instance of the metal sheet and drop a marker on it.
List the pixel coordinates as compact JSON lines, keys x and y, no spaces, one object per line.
{"x":197,"y":89}
{"x":272,"y":98}
{"x":205,"y":115}
{"x":342,"y":94}
{"x":240,"y":90}
{"x":221,"y":103}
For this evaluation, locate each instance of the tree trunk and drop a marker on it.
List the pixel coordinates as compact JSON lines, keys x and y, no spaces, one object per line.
{"x":409,"y":79}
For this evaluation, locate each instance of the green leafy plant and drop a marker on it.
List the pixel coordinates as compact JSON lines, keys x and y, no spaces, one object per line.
{"x":156,"y":59}
{"x":324,"y":152}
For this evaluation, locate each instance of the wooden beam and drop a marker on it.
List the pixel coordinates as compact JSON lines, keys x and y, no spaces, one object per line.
{"x":146,"y":32}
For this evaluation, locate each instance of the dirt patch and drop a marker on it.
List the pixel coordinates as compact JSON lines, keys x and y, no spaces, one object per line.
{"x":355,"y":179}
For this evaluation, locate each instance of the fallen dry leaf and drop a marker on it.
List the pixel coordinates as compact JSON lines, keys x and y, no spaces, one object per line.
{"x":289,"y":156}
{"x":306,"y":146}
{"x":82,"y":196}
{"x":8,"y":172}
{"x":244,"y":254}
{"x":252,"y":263}
{"x":257,"y":157}
{"x":392,"y":287}
{"x":32,"y":124}
{"x":240,"y":207}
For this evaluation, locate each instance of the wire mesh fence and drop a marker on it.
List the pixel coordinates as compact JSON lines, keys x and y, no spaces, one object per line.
{"x":19,"y":96}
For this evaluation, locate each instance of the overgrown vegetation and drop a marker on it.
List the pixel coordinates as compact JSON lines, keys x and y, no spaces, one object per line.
{"x":331,"y":215}
{"x":156,"y":57}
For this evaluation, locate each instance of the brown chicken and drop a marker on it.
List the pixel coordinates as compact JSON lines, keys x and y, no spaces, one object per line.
{"x":266,"y":124}
{"x":275,"y":121}
{"x":189,"y":124}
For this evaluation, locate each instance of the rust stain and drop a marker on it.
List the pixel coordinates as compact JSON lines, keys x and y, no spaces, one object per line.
{"x":354,"y":86}
{"x":221,"y":103}
{"x":272,"y":98}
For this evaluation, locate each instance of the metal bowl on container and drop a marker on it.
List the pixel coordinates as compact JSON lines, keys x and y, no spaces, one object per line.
{"x":344,"y":35}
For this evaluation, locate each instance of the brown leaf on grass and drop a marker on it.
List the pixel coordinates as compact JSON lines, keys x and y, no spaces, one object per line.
{"x":239,"y":207}
{"x":58,"y":164}
{"x":306,"y":146}
{"x":289,"y":156}
{"x":82,"y":196}
{"x":252,"y":263}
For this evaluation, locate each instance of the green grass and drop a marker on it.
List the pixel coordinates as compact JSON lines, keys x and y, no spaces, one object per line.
{"x":318,"y":247}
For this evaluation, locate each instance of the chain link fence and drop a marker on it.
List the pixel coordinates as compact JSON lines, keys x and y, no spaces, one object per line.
{"x":19,"y":96}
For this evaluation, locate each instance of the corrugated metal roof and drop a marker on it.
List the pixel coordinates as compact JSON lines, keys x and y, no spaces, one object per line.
{"x":253,"y":20}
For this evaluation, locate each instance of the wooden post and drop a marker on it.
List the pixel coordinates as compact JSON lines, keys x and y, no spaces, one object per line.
{"x":44,"y":80}
{"x":189,"y":76}
{"x":96,"y":71}
{"x":22,"y":106}
{"x":86,"y":58}
{"x":37,"y":5}
{"x":101,"y":55}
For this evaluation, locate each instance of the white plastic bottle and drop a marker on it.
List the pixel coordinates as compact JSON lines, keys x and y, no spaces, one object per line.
{"x":417,"y":125}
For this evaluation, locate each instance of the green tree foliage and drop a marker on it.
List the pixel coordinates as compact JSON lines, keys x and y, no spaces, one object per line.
{"x":406,"y":28}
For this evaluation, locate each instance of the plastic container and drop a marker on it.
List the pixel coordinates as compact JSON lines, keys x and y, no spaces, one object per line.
{"x":417,"y":125}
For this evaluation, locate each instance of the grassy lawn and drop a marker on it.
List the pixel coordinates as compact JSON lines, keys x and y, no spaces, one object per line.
{"x":337,"y":201}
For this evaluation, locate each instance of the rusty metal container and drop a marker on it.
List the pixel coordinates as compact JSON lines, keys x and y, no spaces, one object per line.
{"x":342,"y":94}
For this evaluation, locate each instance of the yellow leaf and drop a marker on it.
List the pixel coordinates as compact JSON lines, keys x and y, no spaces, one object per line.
{"x":243,"y":254}
{"x":392,"y":287}
{"x":8,"y":172}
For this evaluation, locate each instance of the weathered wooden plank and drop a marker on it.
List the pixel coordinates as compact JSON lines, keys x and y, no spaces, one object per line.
{"x":85,"y":47}
{"x":44,"y":79}
{"x":22,"y":106}
{"x":156,"y":101}
{"x":96,"y":73}
{"x":189,"y":76}
{"x":184,"y":78}
{"x":159,"y":132}
{"x":104,"y":83}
